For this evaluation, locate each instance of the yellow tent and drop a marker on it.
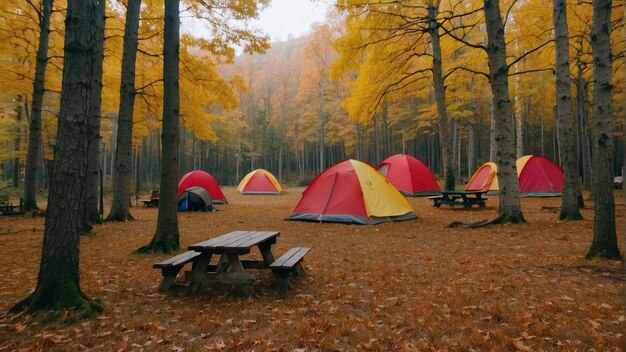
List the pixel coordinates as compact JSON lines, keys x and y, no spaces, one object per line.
{"x":353,"y":192}
{"x":259,"y":181}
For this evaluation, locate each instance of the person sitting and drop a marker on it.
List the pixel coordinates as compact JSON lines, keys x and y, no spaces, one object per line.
{"x":155,"y":194}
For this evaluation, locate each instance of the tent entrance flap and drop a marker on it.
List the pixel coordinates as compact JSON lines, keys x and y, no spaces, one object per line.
{"x":332,"y":187}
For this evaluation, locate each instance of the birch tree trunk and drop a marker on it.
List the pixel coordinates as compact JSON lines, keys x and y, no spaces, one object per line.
{"x":92,"y":215}
{"x":31,"y":170}
{"x":166,"y":237}
{"x":510,"y":209}
{"x":58,"y":282}
{"x":122,"y":173}
{"x":604,"y":232}
{"x":440,"y":96}
{"x":567,"y":128}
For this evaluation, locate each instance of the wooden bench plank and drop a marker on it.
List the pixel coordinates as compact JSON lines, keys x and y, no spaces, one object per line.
{"x":171,"y":267}
{"x":283,"y":258}
{"x":178,"y":260}
{"x":296,"y":258}
{"x":287,"y":264}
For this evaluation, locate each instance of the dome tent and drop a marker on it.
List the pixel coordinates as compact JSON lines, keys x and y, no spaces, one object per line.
{"x":484,"y":179}
{"x":352,"y":192}
{"x":195,"y":199}
{"x":202,"y":179}
{"x":409,"y":175}
{"x":538,"y":177}
{"x":259,"y":181}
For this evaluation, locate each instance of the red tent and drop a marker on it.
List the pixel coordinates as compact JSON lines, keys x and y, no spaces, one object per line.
{"x":202,"y":179}
{"x":539,"y":176}
{"x":353,"y":192}
{"x":259,"y":181}
{"x":410,"y":176}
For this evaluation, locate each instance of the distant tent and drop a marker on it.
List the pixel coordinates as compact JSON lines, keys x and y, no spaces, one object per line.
{"x":195,"y":199}
{"x":259,"y":181}
{"x":484,"y":179}
{"x":205,"y":180}
{"x":538,"y":177}
{"x":409,"y":175}
{"x":352,"y":192}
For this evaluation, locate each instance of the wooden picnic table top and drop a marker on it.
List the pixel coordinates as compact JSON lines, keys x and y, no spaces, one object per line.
{"x":235,"y":242}
{"x":454,"y":192}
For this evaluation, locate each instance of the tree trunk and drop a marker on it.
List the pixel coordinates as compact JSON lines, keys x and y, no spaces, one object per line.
{"x":510,"y":209}
{"x":492,"y":134}
{"x":471,"y":148}
{"x":122,"y":174}
{"x":567,"y":128}
{"x":58,"y":283}
{"x":440,"y":97}
{"x":18,"y":141}
{"x":92,"y":215}
{"x":583,"y":117}
{"x":386,"y":133}
{"x":31,"y":170}
{"x":604,"y":233}
{"x":166,"y":237}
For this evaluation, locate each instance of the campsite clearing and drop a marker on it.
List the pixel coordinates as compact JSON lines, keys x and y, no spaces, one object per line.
{"x":412,"y":285}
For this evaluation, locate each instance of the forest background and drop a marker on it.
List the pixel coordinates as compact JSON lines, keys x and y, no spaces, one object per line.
{"x":273,"y":110}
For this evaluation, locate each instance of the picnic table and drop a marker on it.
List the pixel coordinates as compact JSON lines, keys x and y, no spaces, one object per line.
{"x":230,"y":268}
{"x":463,"y":198}
{"x":9,"y":209}
{"x":152,"y":202}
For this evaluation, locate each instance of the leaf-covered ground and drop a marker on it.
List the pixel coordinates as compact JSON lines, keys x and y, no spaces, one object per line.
{"x":408,"y":286}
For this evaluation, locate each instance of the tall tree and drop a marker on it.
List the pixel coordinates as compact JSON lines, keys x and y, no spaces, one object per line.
{"x":122,"y":174}
{"x":58,"y":283}
{"x":166,"y":237}
{"x":604,"y":243}
{"x":92,"y":215}
{"x":510,"y":208}
{"x":34,"y":129}
{"x":566,"y":122}
{"x":440,"y":95}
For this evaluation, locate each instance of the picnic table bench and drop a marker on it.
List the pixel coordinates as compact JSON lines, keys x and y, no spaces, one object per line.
{"x":231,"y":269}
{"x":462,"y":198}
{"x":287,"y":264}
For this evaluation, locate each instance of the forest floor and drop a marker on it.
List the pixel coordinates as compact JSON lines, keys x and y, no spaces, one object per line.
{"x":415,"y":285}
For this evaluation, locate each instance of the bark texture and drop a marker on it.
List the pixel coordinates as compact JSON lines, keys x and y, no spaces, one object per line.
{"x":122,"y":173}
{"x":440,"y":96}
{"x":31,"y":171}
{"x":166,"y":237}
{"x":17,"y":143}
{"x":58,"y":283}
{"x":92,"y":215}
{"x":510,"y":209}
{"x":583,"y":117}
{"x":604,"y":243}
{"x":565,"y":118}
